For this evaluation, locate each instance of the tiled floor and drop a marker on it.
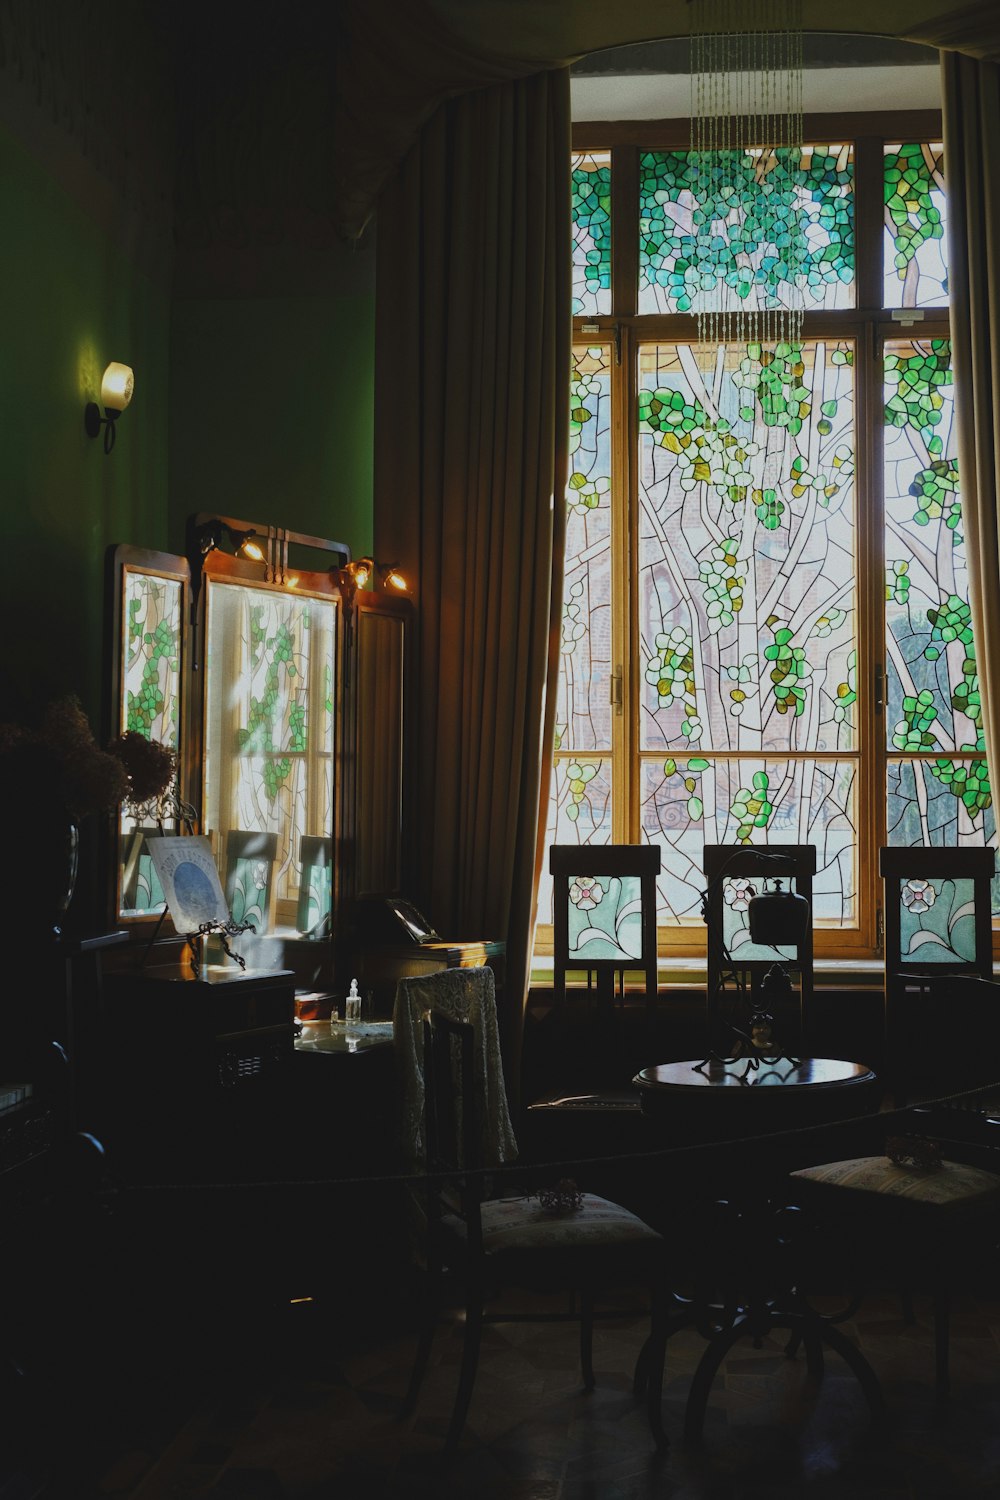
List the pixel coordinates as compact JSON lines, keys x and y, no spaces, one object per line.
{"x":317,"y":1419}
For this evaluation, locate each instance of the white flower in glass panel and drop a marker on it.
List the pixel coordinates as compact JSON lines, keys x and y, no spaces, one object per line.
{"x":585,"y":893}
{"x":918,"y":896}
{"x":738,"y":894}
{"x":259,"y":875}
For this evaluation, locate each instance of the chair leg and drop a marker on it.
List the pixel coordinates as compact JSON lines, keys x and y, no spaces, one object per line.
{"x":424,"y":1343}
{"x":587,"y":1337}
{"x":653,"y":1358}
{"x":467,"y":1374}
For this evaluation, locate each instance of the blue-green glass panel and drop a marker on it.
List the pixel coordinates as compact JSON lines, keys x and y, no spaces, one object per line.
{"x":604,"y":918}
{"x":670,"y":272}
{"x":249,"y":892}
{"x":937,"y":921}
{"x":591,"y":211}
{"x":915,"y":244}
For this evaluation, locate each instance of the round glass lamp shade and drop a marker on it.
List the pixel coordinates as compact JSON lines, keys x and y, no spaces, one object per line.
{"x":116,"y":386}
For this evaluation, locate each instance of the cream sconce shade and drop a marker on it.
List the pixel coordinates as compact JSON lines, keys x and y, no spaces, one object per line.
{"x":117,"y":385}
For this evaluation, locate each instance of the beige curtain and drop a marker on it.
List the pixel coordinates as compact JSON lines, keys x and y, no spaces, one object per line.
{"x":971,"y":96}
{"x":473,"y":339}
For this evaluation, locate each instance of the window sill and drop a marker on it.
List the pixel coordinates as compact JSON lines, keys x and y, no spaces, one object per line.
{"x":688,"y":973}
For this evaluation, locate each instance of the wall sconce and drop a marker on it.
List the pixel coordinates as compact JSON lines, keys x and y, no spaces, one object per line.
{"x":117,"y":384}
{"x":391,"y":578}
{"x":208,"y":538}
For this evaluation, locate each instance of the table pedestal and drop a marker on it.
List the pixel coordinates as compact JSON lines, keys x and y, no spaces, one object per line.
{"x":754,"y":1119}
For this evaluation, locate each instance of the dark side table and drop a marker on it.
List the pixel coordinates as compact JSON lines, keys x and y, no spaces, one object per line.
{"x":753,"y":1122}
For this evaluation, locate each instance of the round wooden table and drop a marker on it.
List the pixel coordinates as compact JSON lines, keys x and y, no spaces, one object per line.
{"x":697,"y":1102}
{"x":756,"y":1123}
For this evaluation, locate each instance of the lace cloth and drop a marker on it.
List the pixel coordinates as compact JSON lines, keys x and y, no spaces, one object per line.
{"x":461,"y":995}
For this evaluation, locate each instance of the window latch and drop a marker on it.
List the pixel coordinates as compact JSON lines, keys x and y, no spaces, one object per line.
{"x":879,"y":688}
{"x":617,"y":686}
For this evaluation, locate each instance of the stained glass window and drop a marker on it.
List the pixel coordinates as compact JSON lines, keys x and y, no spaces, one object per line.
{"x":933,"y":708}
{"x":669,"y":277}
{"x":765,"y":561}
{"x":591,"y":209}
{"x":915,"y":268}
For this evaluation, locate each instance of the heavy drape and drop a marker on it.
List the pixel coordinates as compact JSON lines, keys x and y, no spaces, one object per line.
{"x":473,"y":344}
{"x":971,"y":96}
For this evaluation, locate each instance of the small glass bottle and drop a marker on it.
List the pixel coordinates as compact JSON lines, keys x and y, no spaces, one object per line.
{"x":352,"y":1005}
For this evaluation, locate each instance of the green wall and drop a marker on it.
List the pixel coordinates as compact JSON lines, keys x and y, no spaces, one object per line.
{"x":272,"y":408}
{"x":74,"y":298}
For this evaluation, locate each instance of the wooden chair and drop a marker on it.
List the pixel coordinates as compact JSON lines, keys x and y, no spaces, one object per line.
{"x":941,"y":1027}
{"x":911,"y":1221}
{"x":490,"y":1242}
{"x":604,"y":929}
{"x":315,"y":890}
{"x":585,"y":881}
{"x":794,"y":865}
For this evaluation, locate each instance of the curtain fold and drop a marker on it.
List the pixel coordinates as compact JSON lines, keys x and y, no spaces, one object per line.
{"x":473,"y":343}
{"x":971,"y":97}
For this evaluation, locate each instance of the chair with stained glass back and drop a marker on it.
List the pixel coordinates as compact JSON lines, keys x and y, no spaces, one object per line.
{"x":312,"y":913}
{"x":771,"y":980}
{"x":249,"y":882}
{"x":942,"y":1010}
{"x":604,"y":939}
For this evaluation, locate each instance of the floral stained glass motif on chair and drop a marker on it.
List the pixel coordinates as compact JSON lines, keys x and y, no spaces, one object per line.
{"x":938,"y":930}
{"x":604,"y":909}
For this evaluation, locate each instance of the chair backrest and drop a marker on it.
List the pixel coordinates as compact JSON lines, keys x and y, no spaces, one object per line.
{"x":313,"y":911}
{"x":940,"y":1029}
{"x":249,"y":884}
{"x":452,"y":1125}
{"x":729,"y":943}
{"x":462,"y":995}
{"x":937,"y":912}
{"x":604,"y":917}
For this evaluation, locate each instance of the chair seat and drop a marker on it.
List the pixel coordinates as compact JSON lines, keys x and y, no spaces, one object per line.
{"x":954,"y":1187}
{"x":519,"y":1224}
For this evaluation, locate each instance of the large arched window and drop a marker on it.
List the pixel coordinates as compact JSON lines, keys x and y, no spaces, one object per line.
{"x":766,"y":634}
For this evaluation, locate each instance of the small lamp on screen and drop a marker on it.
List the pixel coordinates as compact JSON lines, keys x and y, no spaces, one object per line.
{"x":117,"y":385}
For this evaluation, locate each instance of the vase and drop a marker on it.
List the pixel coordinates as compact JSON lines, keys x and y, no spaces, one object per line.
{"x":66,"y":867}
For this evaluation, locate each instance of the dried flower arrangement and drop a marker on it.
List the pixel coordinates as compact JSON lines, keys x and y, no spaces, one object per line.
{"x":150,"y":767}
{"x":60,"y":762}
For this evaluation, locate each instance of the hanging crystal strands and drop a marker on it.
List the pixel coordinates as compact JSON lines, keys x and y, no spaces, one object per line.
{"x":746,"y":155}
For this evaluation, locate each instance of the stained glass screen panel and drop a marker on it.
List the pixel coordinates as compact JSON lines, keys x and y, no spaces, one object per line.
{"x":269,"y":725}
{"x":149,"y":704}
